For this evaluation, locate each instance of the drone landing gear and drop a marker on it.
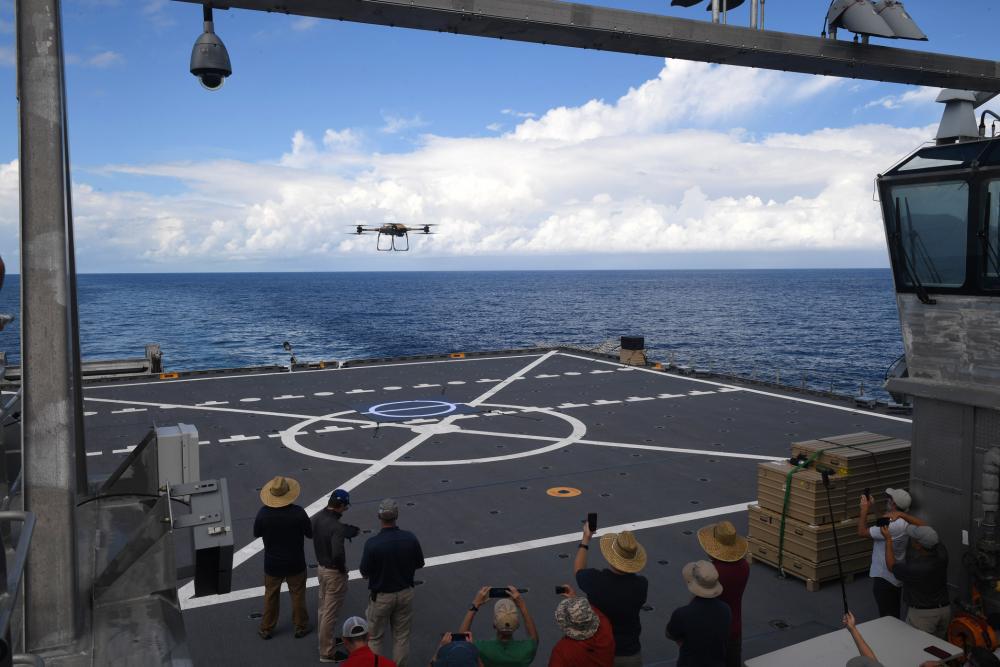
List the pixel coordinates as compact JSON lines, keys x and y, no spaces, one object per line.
{"x":392,"y":245}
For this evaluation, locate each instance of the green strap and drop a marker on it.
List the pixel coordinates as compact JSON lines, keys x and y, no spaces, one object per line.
{"x":784,"y":507}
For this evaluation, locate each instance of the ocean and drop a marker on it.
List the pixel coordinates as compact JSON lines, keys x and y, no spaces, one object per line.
{"x":829,"y":329}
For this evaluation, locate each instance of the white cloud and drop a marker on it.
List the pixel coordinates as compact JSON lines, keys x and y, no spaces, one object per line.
{"x":396,"y":124}
{"x":655,"y":171}
{"x":494,"y":127}
{"x":914,"y":97}
{"x":305,"y":23}
{"x":105,"y":59}
{"x":519,"y":114}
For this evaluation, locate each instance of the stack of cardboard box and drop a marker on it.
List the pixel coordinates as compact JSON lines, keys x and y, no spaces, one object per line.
{"x":855,"y":462}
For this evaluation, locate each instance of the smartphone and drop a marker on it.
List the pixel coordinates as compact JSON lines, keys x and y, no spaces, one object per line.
{"x":882,"y":521}
{"x":592,"y":521}
{"x":937,"y":652}
{"x":459,"y":637}
{"x":498,"y":592}
{"x":561,"y":590}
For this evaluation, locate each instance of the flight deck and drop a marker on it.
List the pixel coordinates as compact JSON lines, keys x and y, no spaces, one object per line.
{"x":495,"y":461}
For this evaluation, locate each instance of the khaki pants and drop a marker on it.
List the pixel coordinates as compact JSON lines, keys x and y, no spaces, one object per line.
{"x":332,"y":591}
{"x":933,"y":621}
{"x":272,"y":592}
{"x":396,"y":610}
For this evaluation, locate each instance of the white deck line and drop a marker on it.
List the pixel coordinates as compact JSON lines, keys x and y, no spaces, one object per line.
{"x":623,"y":445}
{"x":488,"y":552}
{"x":255,"y":547}
{"x":314,"y":370}
{"x":752,"y":391}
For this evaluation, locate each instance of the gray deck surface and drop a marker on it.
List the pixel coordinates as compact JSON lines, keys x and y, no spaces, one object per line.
{"x":562,"y":407}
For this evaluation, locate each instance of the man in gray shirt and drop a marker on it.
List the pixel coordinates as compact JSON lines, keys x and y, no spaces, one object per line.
{"x":328,"y":540}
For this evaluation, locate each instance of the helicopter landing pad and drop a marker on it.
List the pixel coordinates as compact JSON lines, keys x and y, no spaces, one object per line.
{"x":494,"y":461}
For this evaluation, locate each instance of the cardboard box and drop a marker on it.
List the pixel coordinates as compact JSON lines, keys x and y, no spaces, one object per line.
{"x":805,"y":569}
{"x":813,"y":543}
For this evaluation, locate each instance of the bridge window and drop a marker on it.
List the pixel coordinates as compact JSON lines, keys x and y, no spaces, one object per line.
{"x":989,"y":237}
{"x":929,"y":232}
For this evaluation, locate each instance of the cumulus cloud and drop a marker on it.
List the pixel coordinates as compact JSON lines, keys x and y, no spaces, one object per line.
{"x":395,"y":124}
{"x":654,"y":171}
{"x":915,"y":97}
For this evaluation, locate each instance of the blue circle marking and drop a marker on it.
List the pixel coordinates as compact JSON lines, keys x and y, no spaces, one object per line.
{"x":412,"y":409}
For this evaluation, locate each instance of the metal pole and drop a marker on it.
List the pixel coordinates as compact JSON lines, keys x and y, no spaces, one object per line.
{"x":753,"y":14}
{"x":760,"y":17}
{"x":715,"y":11}
{"x":48,"y":423}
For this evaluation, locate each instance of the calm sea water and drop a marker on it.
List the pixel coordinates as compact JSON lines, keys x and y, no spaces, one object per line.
{"x":828,"y":327}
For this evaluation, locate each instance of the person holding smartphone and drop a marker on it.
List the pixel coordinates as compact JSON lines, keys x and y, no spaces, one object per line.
{"x":456,"y":650}
{"x":504,"y":651}
{"x":886,"y":588}
{"x":619,"y":591}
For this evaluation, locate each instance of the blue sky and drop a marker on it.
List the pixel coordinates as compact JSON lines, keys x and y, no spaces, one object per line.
{"x":327,"y":124}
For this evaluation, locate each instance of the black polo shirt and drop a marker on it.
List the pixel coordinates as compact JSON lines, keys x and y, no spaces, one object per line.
{"x":283,"y":530}
{"x":924,"y":577}
{"x":390,"y":559}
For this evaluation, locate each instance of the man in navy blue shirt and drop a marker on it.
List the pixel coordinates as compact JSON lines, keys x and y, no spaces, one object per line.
{"x":283,"y":526}
{"x":388,"y":563}
{"x":702,"y":626}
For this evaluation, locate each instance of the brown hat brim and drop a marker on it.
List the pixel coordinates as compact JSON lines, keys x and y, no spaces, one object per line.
{"x":724,"y":552}
{"x":266,"y":497}
{"x":630,"y":565}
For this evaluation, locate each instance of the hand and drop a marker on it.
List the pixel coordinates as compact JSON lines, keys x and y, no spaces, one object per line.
{"x":586,"y":533}
{"x":481,"y":597}
{"x":894,"y":514}
{"x":849,"y":620}
{"x":865,"y":503}
{"x":885,"y":532}
{"x":515,"y":595}
{"x":568,"y":591}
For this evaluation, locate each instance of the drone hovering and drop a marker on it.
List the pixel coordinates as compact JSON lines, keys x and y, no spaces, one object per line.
{"x":393,"y":231}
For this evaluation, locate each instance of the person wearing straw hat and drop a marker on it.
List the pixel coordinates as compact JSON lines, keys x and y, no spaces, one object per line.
{"x":504,"y":650}
{"x":701,"y":626}
{"x":618,"y":591}
{"x":283,"y":526}
{"x":588,"y":639}
{"x":728,"y":551}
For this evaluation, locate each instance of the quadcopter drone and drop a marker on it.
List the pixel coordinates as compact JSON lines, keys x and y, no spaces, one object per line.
{"x":393,"y":231}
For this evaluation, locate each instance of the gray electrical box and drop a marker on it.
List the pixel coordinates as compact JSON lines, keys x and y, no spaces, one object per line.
{"x":177,"y":454}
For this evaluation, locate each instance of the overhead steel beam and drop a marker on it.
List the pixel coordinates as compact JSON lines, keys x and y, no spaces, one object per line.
{"x":591,"y":27}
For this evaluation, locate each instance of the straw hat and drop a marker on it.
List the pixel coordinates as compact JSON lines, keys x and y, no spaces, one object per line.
{"x":279,"y":492}
{"x":720,"y":541}
{"x":702,"y":579}
{"x":623,"y":552}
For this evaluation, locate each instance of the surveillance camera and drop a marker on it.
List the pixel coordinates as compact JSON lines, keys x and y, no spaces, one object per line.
{"x":210,"y":60}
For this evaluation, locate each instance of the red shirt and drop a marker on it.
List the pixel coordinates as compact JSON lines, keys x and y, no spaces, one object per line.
{"x":598,"y":651}
{"x":733,"y":577}
{"x":363,"y":657}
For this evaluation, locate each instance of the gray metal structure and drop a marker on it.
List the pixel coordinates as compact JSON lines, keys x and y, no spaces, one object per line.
{"x":52,"y":436}
{"x":592,"y":27}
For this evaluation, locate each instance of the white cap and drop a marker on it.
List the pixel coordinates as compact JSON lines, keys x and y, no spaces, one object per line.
{"x":900,"y":497}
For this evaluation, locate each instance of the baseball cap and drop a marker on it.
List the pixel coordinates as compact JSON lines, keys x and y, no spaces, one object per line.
{"x":388,"y":509}
{"x":340,"y":496}
{"x":505,"y":617}
{"x":355,"y":626}
{"x":925,"y":535}
{"x":457,"y":654}
{"x":900,"y":497}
